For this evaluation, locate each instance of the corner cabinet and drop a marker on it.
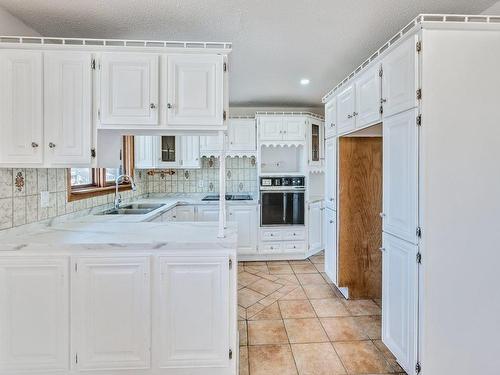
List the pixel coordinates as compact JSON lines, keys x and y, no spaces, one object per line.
{"x":195,"y":85}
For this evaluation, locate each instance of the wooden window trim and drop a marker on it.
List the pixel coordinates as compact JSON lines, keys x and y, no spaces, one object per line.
{"x":100,"y":186}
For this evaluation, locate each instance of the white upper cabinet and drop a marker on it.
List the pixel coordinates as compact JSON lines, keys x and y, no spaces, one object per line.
{"x":331,"y":118}
{"x":368,"y":87}
{"x":21,"y":115}
{"x":34,"y":315}
{"x":195,"y":85}
{"x":271,"y":129}
{"x":331,"y":173}
{"x":129,"y":89}
{"x":316,"y":142}
{"x":246,"y":218}
{"x":399,"y":299}
{"x":400,"y":177}
{"x":330,"y":230}
{"x":145,"y":146}
{"x":242,"y":135}
{"x":346,"y":101}
{"x":190,"y":151}
{"x":315,"y":226}
{"x":399,"y":80}
{"x":192,"y":326}
{"x":68,"y":108}
{"x":111,"y":300}
{"x":294,"y":129}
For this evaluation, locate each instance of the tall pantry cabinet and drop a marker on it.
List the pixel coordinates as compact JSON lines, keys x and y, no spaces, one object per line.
{"x":440,"y":206}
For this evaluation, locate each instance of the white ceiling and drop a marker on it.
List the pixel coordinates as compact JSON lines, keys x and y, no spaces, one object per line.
{"x":275,"y":42}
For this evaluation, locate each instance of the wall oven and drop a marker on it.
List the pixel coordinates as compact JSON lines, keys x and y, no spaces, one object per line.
{"x":282,"y":201}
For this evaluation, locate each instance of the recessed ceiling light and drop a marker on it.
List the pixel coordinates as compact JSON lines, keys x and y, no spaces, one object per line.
{"x":304,"y":81}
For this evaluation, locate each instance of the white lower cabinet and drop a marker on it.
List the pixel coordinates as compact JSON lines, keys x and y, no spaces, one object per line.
{"x":184,"y":213}
{"x":34,"y":315}
{"x":331,"y":173}
{"x":192,"y":323}
{"x":207,"y":213}
{"x":282,"y":240}
{"x":314,"y":226}
{"x":111,"y":313}
{"x":246,"y":218}
{"x":330,"y":235}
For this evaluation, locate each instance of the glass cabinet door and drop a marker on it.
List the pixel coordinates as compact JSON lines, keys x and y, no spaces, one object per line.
{"x":315,"y":140}
{"x":168,"y":149}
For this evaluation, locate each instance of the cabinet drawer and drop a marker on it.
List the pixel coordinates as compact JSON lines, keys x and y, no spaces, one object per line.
{"x":271,"y":247}
{"x":294,"y":235}
{"x":270,"y":235}
{"x":294,"y":246}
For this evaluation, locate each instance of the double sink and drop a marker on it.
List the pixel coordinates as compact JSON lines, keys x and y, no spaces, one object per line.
{"x":134,"y":209}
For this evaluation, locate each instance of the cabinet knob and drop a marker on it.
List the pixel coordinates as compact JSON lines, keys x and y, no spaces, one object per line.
{"x":355,"y":114}
{"x":349,"y":116}
{"x":383,"y":100}
{"x":331,"y":221}
{"x":52,"y":145}
{"x":152,"y":106}
{"x":170,"y":106}
{"x":332,"y":125}
{"x":34,"y":144}
{"x":331,"y":199}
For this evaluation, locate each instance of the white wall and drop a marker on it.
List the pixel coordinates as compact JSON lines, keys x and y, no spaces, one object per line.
{"x":493,"y":10}
{"x":10,"y":25}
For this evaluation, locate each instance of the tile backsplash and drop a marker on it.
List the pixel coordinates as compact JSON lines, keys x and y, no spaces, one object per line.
{"x":20,"y":188}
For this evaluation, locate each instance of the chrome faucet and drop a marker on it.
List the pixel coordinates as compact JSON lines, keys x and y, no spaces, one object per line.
{"x":118,"y":197}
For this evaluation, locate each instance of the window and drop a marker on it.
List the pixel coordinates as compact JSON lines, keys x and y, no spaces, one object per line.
{"x":90,"y":182}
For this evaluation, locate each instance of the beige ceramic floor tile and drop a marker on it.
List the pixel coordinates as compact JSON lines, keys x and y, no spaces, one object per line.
{"x":317,"y":259}
{"x":245,"y":278}
{"x":263,"y":332}
{"x":242,"y":313}
{"x":242,"y":329}
{"x":248,"y":297}
{"x":318,"y":291}
{"x":371,"y":325}
{"x":296,"y":309}
{"x":304,"y":268}
{"x":271,"y":312}
{"x":329,"y":307}
{"x":273,"y":297}
{"x":280,"y":269}
{"x":388,"y":356}
{"x":320,"y":267}
{"x":317,"y":359}
{"x":343,"y":329}
{"x":311,"y":279}
{"x":362,"y":357}
{"x":264,"y":286}
{"x":255,"y":309}
{"x":305,"y":330}
{"x":363,"y":307}
{"x":271,"y":360}
{"x":244,"y":361}
{"x":296,"y":294}
{"x":256,"y":269}
{"x":291,"y":279}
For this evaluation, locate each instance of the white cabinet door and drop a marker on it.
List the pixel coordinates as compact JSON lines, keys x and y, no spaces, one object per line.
{"x":242,"y":135}
{"x":145,"y":147}
{"x":271,"y":129}
{"x":210,"y":145}
{"x":195,"y":90}
{"x":400,"y":177}
{"x":294,"y":129}
{"x":399,"y":80}
{"x":111,"y":313}
{"x":129,"y":89}
{"x":190,"y":151}
{"x":330,"y":229}
{"x":346,"y":109}
{"x":207,"y":213}
{"x":331,"y":173}
{"x":399,"y":300}
{"x":168,"y":151}
{"x":34,"y":315}
{"x":246,"y":218}
{"x":331,"y":118}
{"x":192,"y":321}
{"x":314,"y":226}
{"x":368,"y":94}
{"x":21,"y":116}
{"x":68,"y":108}
{"x":185,"y":213}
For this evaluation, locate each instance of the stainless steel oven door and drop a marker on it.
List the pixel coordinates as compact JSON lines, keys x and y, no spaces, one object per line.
{"x":281,"y":208}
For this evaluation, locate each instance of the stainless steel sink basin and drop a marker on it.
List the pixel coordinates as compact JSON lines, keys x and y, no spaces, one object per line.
{"x":133,"y":209}
{"x":142,"y":206}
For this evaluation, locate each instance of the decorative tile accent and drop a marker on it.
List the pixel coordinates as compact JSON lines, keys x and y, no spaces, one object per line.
{"x":19,"y":182}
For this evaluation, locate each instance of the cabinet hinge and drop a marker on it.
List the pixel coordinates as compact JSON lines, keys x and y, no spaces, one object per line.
{"x":225,"y":67}
{"x":230,"y":264}
{"x":419,"y":258}
{"x":230,"y":354}
{"x":92,"y":64}
{"x":224,"y":115}
{"x":381,"y":109}
{"x":418,"y":232}
{"x":419,"y":46}
{"x":381,"y":72}
{"x":418,"y":368}
{"x":76,"y":358}
{"x":99,"y":114}
{"x":419,"y":94}
{"x":92,"y":153}
{"x":419,"y":120}
{"x":76,"y":267}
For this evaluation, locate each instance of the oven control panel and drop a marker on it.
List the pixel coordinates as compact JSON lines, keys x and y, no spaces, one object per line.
{"x":298,"y":181}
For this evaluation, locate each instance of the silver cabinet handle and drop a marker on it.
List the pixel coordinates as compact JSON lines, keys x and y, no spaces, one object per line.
{"x":349,"y":116}
{"x":152,"y":106}
{"x":331,"y":221}
{"x":170,"y":106}
{"x":52,"y":145}
{"x":332,"y":125}
{"x":331,"y":199}
{"x":355,"y":114}
{"x":383,"y":100}
{"x":381,"y":248}
{"x":34,"y":144}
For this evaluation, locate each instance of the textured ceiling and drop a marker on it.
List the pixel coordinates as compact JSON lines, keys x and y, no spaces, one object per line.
{"x":275,"y":42}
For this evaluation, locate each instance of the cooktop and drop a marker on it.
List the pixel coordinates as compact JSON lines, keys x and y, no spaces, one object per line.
{"x":229,"y":197}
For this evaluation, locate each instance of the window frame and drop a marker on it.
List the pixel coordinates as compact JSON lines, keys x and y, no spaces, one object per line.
{"x":99,"y":184}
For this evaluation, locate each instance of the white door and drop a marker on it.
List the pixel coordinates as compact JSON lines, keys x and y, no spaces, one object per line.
{"x":68,"y":108}
{"x":314,"y":226}
{"x":330,"y":229}
{"x":195,"y":90}
{"x":192,"y":315}
{"x":21,"y":116}
{"x":368,"y":93}
{"x":271,"y":129}
{"x":209,"y":212}
{"x":129,"y":89}
{"x":331,"y":118}
{"x":34,"y":315}
{"x":210,"y":145}
{"x":145,"y":147}
{"x":399,"y":300}
{"x":184,"y":213}
{"x":399,"y":80}
{"x":294,"y":129}
{"x":331,"y":173}
{"x":246,"y":219}
{"x":111,"y":310}
{"x":242,"y":135}
{"x":346,"y":109}
{"x":190,"y":151}
{"x":400,"y":177}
